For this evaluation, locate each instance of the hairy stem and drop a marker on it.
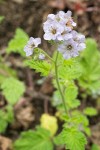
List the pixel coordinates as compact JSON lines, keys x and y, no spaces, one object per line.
{"x":58,"y":84}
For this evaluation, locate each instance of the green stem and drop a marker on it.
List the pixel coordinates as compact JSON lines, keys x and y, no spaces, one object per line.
{"x":58,"y":84}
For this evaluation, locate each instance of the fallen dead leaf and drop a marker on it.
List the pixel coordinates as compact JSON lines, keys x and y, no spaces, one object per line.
{"x":5,"y":143}
{"x":25,"y":115}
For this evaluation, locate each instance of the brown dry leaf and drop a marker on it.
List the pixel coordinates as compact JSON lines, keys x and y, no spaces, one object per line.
{"x":25,"y":115}
{"x":96,"y":134}
{"x":5,"y":143}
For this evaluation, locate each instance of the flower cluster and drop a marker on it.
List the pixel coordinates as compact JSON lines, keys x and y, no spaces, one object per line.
{"x":59,"y":27}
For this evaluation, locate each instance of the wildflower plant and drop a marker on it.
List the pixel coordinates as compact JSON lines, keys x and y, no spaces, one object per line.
{"x":64,"y":68}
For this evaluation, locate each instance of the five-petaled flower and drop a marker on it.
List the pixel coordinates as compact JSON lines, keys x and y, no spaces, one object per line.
{"x":68,"y":49}
{"x":31,"y":44}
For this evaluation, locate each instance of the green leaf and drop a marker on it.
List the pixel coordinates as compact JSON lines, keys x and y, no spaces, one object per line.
{"x":6,"y":72}
{"x":90,"y":63}
{"x":72,"y":139}
{"x":12,"y":89}
{"x":6,"y":116}
{"x":70,"y":94}
{"x":95,"y":147}
{"x":80,"y":121}
{"x":90,"y":111}
{"x":3,"y":122}
{"x":34,"y":140}
{"x":18,"y":42}
{"x":70,"y":69}
{"x":40,"y":66}
{"x":1,"y":18}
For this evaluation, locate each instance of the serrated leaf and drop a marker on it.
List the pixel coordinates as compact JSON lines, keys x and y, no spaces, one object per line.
{"x":70,"y":69}
{"x":34,"y":140}
{"x":72,"y":139}
{"x":90,"y":63}
{"x":12,"y":89}
{"x":79,"y":118}
{"x":5,"y":72}
{"x":80,"y":121}
{"x":70,"y":94}
{"x":42,"y":67}
{"x":90,"y":111}
{"x":87,"y":130}
{"x":18,"y":42}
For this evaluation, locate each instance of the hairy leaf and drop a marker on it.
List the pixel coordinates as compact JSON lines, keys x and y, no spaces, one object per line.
{"x":34,"y":140}
{"x":70,"y":69}
{"x":90,"y":63}
{"x":40,"y":66}
{"x":18,"y":42}
{"x":12,"y":89}
{"x":70,"y":93}
{"x":72,"y":139}
{"x":90,"y":111}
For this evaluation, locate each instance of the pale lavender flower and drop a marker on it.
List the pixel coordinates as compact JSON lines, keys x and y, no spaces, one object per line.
{"x":31,"y":44}
{"x":58,"y":17}
{"x":81,"y":46}
{"x":65,"y":35}
{"x":80,"y":39}
{"x":41,"y":56}
{"x":69,"y":20}
{"x":28,"y":50}
{"x":68,"y":49}
{"x":52,"y":30}
{"x":51,"y":17}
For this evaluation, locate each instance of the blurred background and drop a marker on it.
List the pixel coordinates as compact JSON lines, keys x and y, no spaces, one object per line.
{"x":29,"y":15}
